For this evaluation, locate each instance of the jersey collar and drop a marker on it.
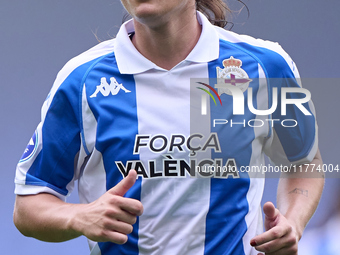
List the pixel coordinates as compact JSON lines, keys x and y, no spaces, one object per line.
{"x":130,"y":61}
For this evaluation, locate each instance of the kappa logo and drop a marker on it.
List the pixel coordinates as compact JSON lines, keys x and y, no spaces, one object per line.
{"x":114,"y":87}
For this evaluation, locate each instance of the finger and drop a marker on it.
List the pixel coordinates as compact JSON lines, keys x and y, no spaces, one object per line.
{"x":122,"y":215}
{"x":287,"y":242}
{"x":270,"y":211}
{"x":127,"y":218}
{"x":124,"y":185}
{"x":268,"y":236}
{"x":287,"y":245}
{"x":111,"y":236}
{"x":132,"y":206}
{"x":118,"y":226}
{"x":129,"y":205}
{"x":270,"y":247}
{"x":272,"y":215}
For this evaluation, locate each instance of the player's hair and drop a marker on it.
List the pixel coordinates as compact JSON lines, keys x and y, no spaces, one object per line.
{"x":215,"y":10}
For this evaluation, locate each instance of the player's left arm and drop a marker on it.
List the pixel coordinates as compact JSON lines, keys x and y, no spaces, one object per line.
{"x":297,"y":199}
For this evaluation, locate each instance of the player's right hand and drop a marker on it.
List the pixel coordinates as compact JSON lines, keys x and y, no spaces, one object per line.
{"x":280,"y":238}
{"x":110,"y":218}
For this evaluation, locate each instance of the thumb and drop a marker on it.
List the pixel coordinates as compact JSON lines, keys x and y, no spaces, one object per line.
{"x":271,"y":214}
{"x":124,"y":185}
{"x":270,"y":211}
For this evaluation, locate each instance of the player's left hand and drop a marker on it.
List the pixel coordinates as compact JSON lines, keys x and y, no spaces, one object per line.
{"x":280,"y":238}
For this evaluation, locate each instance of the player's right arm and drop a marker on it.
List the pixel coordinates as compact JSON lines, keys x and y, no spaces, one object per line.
{"x":109,"y":218}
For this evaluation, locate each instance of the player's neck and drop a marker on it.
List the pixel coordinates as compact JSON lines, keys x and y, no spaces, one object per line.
{"x":169,"y":44}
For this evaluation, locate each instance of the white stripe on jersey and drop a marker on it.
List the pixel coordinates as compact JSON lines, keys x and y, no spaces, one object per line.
{"x":254,"y":195}
{"x":155,"y":233}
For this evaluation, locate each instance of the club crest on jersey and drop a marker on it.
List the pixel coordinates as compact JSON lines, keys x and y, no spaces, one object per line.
{"x":31,"y":148}
{"x":232,"y":74}
{"x":106,"y":89}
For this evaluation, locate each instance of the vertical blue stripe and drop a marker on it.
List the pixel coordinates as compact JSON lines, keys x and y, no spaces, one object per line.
{"x":117,"y":126}
{"x":225,"y":222}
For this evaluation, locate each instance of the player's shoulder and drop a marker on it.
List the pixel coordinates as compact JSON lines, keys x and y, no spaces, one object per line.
{"x":268,"y":53}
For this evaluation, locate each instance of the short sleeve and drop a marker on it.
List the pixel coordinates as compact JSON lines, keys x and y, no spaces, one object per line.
{"x":48,"y":162}
{"x":54,"y":155}
{"x":294,"y":136}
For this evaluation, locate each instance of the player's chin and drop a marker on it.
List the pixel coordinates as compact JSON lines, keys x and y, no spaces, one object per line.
{"x":146,"y":12}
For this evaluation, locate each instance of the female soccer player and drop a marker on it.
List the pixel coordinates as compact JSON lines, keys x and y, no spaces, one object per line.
{"x":149,"y":100}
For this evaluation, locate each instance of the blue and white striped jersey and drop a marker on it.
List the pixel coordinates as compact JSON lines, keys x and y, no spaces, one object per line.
{"x":111,"y":110}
